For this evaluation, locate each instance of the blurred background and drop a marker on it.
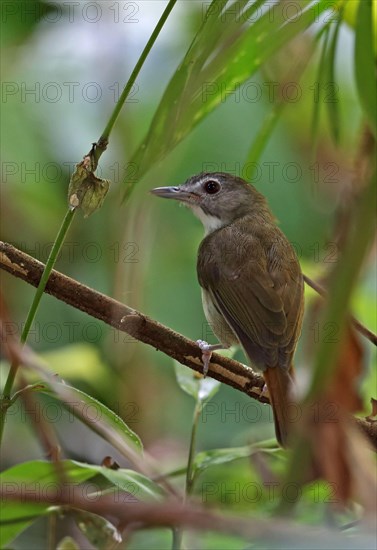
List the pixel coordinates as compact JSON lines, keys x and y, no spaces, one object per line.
{"x":63,"y":68}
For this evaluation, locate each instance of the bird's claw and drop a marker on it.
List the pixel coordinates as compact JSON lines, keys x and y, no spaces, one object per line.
{"x":265,"y":393}
{"x":206,"y":355}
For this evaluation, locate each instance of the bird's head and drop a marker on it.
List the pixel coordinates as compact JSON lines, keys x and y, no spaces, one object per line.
{"x":216,"y":198}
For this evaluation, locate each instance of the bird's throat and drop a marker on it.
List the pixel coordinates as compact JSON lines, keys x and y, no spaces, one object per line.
{"x":210,"y":223}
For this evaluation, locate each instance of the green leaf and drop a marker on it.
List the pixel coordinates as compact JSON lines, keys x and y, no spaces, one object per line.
{"x":208,"y":387}
{"x":350,"y":12}
{"x":215,"y":457}
{"x":96,"y":415}
{"x":77,"y":361}
{"x":40,"y":472}
{"x":40,"y":479}
{"x":365,"y":63}
{"x":318,"y":92}
{"x":139,"y":486}
{"x":98,"y":530}
{"x":201,"y":389}
{"x":273,"y":115}
{"x":16,"y":517}
{"x":188,"y":381}
{"x":18,"y":20}
{"x":228,"y":49}
{"x":35,"y":477}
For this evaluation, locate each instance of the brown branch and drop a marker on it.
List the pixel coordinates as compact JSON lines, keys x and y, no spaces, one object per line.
{"x":144,"y":329}
{"x":136,"y":515}
{"x":128,"y":320}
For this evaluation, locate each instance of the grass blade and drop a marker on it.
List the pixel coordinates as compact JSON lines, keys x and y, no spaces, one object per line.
{"x":365,"y":63}
{"x":333,"y":95}
{"x":241,"y":47}
{"x":317,"y":96}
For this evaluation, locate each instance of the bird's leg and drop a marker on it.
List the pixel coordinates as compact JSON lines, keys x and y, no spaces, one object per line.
{"x":207,"y":350}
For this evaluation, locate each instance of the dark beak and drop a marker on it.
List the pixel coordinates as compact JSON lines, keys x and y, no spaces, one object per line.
{"x":171,"y":193}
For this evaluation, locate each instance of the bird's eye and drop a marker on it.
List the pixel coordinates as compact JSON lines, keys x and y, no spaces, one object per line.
{"x":212,"y":187}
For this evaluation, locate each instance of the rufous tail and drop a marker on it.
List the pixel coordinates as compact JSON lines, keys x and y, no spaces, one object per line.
{"x":279,"y":383}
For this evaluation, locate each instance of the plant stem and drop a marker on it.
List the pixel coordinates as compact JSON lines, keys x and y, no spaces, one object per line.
{"x":178,"y":533}
{"x":6,"y":397}
{"x":51,"y":530}
{"x":190,"y":461}
{"x":177,"y":538}
{"x":131,"y":81}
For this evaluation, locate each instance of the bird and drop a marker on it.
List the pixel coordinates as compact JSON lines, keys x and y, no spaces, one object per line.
{"x":251,"y":281}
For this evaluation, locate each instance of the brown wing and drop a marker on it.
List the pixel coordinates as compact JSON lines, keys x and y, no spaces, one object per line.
{"x":257,"y":288}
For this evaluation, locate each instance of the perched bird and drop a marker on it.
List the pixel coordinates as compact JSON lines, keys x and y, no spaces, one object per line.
{"x":252,"y":284}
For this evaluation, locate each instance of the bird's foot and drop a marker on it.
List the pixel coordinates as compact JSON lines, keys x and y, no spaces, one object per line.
{"x":265,"y":393}
{"x":206,"y":355}
{"x":207,"y":350}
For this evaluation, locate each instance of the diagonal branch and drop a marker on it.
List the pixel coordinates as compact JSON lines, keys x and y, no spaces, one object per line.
{"x":357,"y":325}
{"x":142,"y":328}
{"x":128,"y":320}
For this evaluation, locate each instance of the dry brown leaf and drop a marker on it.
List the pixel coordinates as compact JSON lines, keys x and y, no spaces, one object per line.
{"x":332,"y":433}
{"x":343,"y":388}
{"x":342,"y":457}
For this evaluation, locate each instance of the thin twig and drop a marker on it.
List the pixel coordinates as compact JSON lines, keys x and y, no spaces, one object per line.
{"x":356,"y":323}
{"x":139,"y":515}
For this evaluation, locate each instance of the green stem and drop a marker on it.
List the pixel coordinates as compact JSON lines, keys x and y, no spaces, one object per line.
{"x":47,"y":271}
{"x":190,"y":461}
{"x":177,"y":538}
{"x":178,"y":533}
{"x":6,"y":400}
{"x":52,"y":528}
{"x":131,"y":81}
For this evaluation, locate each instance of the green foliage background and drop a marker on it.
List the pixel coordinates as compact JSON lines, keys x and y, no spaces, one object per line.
{"x":144,"y":252}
